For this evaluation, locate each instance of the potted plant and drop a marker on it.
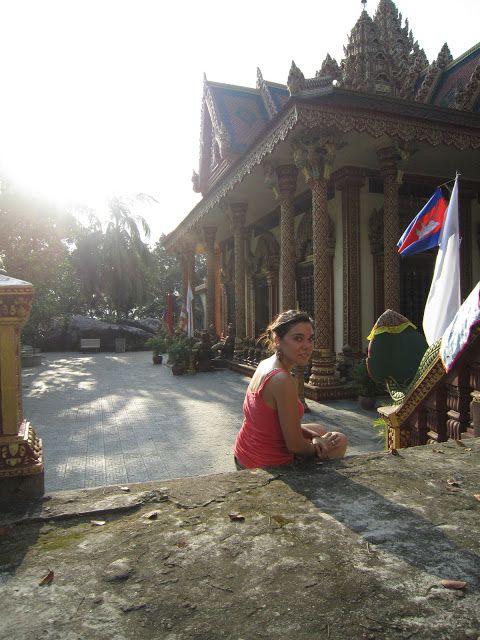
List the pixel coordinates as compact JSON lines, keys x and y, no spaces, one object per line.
{"x":367,"y":388}
{"x":158,"y":347}
{"x":178,"y":357}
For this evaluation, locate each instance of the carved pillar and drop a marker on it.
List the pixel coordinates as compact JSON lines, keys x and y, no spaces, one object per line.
{"x":315,"y":157}
{"x":218,"y":291}
{"x":239,"y":210}
{"x":21,"y":464}
{"x":287,"y":185}
{"x":388,"y":159}
{"x":349,"y":181}
{"x":209,"y":236}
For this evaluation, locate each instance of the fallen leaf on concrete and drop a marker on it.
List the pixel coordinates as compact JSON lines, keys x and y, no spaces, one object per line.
{"x":182,"y":543}
{"x":97,"y":523}
{"x":453,"y":482}
{"x":438,"y":451}
{"x":468,"y":449}
{"x":236,"y":517}
{"x":460,"y":443}
{"x":126,"y":489}
{"x":47,"y":578}
{"x":477,"y":496}
{"x":452,"y":489}
{"x":393,"y":452}
{"x":152,"y":515}
{"x":453,"y":584}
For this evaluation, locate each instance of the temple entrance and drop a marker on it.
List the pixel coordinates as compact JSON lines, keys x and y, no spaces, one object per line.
{"x":416,"y":274}
{"x":261,"y":305}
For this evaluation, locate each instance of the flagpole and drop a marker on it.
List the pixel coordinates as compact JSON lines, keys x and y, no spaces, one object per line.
{"x":444,"y":297}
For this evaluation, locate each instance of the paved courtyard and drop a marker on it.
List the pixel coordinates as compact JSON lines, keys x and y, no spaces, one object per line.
{"x":109,"y":418}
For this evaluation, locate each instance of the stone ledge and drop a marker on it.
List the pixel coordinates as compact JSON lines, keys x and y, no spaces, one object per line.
{"x":348,"y":549}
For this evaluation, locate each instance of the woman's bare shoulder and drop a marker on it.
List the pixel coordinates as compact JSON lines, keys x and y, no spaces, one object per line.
{"x":264,"y":368}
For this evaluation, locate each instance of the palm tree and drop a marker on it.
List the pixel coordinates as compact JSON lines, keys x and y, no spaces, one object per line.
{"x":87,"y":260}
{"x":126,"y":258}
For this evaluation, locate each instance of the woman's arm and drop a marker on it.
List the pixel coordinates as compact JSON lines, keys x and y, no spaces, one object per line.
{"x":281,"y":389}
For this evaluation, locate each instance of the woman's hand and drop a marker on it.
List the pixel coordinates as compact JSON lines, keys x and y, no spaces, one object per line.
{"x":324,"y":444}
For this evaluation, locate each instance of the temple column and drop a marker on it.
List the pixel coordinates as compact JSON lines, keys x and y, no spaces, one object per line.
{"x":21,"y":463}
{"x":287,"y":185}
{"x":349,"y":181}
{"x":315,"y":157}
{"x":239,"y":211}
{"x":388,"y":159}
{"x":218,"y":291}
{"x":209,"y":236}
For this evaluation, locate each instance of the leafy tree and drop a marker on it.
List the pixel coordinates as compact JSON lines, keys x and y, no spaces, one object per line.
{"x":34,"y":241}
{"x":87,"y":261}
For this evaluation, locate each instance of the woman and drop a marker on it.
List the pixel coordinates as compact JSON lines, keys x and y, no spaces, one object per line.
{"x":271,"y":432}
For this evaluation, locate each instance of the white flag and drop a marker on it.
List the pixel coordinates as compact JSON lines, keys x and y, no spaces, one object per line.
{"x":443,"y":300}
{"x":189,"y":311}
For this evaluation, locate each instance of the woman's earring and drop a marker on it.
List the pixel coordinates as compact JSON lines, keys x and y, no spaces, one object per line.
{"x":279,"y":353}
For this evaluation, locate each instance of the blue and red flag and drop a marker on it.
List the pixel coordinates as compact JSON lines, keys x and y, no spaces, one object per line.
{"x":424,"y":231}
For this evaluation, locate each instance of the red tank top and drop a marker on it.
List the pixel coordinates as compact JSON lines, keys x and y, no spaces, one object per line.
{"x":260,"y":441}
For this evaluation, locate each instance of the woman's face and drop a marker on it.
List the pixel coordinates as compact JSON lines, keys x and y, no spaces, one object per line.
{"x":297,"y":343}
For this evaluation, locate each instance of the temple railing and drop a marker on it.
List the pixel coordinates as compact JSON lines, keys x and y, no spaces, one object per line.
{"x":440,"y":405}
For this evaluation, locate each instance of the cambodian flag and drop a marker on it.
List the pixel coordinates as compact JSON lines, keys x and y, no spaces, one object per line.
{"x":424,"y":231}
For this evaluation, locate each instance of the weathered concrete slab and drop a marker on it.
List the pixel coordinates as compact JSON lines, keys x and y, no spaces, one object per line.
{"x":349,"y":549}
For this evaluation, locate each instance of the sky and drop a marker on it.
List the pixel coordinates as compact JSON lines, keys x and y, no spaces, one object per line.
{"x":103,"y":97}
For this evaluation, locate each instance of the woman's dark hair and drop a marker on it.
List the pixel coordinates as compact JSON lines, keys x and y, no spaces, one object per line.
{"x":281,"y":325}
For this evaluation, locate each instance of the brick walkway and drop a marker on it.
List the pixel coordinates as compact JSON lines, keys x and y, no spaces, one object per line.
{"x":108,"y":418}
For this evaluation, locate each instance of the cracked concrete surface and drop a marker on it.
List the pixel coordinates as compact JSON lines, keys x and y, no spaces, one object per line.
{"x":355,"y":548}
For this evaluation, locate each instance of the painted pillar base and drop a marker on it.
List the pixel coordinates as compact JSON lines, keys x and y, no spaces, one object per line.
{"x":21,"y":465}
{"x":323,"y":369}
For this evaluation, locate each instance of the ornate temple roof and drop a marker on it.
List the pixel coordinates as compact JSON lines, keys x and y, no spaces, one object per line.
{"x":458,"y":80}
{"x":232,"y":118}
{"x":382,"y":58}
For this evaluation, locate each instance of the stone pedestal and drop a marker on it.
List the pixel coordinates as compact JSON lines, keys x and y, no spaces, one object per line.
{"x":21,"y":461}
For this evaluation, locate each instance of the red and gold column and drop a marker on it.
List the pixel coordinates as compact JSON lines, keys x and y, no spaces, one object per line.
{"x":314,"y":156}
{"x":239,"y":212}
{"x":388,"y":159}
{"x":209,"y":237}
{"x":349,"y":181}
{"x":287,"y":185}
{"x":21,"y":462}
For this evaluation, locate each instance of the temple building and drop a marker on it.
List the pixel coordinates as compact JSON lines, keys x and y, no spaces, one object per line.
{"x":307,"y":187}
